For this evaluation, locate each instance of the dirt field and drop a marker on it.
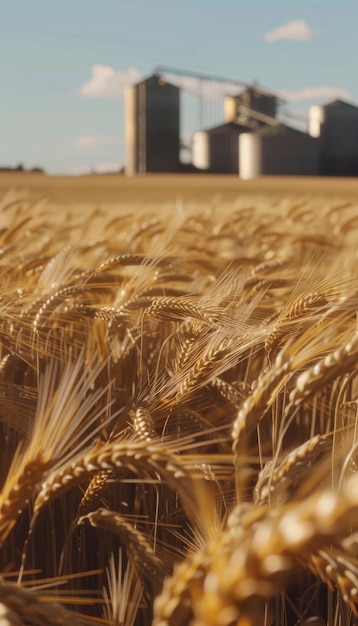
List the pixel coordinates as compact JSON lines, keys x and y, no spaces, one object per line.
{"x":114,"y":189}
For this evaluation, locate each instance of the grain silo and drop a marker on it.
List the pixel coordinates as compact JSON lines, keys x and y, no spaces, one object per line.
{"x":217,"y":150}
{"x":200,"y":150}
{"x":277,"y":150}
{"x":152,"y":126}
{"x":336,"y":124}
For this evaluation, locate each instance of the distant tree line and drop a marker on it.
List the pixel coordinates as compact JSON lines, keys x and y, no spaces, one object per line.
{"x":21,"y":168}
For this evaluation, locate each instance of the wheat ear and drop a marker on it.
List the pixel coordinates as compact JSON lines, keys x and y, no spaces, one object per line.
{"x":250,"y":562}
{"x":63,"y":418}
{"x":143,"y":429}
{"x":141,"y":554}
{"x":137,"y":456}
{"x":338,"y":571}
{"x":289,"y":470}
{"x":20,"y":606}
{"x":321,"y":373}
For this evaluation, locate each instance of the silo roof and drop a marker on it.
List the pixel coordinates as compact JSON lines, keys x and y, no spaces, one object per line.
{"x":339,"y":103}
{"x":279,"y":129}
{"x":156,"y":78}
{"x":228,"y":127}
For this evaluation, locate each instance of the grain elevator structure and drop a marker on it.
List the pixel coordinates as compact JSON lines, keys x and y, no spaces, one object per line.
{"x":152,"y":126}
{"x":253,"y":107}
{"x":216,"y":150}
{"x":278,"y":151}
{"x":248,"y":137}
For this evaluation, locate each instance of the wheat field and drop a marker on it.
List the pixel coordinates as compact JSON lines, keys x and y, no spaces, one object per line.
{"x":178,"y":407}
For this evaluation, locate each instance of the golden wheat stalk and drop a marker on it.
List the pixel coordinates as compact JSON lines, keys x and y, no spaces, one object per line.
{"x":323,"y":372}
{"x":143,"y":429}
{"x":124,"y":593}
{"x":244,"y":564}
{"x":148,"y":565}
{"x":62,"y":427}
{"x":131,"y":348}
{"x":278,"y":479}
{"x":19,"y":605}
{"x":339,"y":571}
{"x":140,"y":457}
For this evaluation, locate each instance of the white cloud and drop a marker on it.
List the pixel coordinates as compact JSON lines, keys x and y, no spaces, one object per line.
{"x":296,"y":30}
{"x":315,"y":93}
{"x":106,"y":82}
{"x":90,"y":141}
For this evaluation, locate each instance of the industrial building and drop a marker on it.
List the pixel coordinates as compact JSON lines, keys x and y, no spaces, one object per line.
{"x":152,"y":126}
{"x":216,"y":150}
{"x":252,"y":141}
{"x":336,"y":126}
{"x":278,"y":150}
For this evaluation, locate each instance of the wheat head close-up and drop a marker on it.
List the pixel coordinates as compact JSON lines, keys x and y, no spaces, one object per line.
{"x":179,"y":414}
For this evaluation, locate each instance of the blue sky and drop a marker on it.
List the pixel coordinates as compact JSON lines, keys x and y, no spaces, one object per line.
{"x":63,"y":65}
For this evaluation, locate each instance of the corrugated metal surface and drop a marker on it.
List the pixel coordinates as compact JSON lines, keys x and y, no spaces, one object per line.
{"x":225,"y":148}
{"x":162,"y":126}
{"x":278,"y":150}
{"x":217,"y":150}
{"x":152,"y":117}
{"x":338,"y":131}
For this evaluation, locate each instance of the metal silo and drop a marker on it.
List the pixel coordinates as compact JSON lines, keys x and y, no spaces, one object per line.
{"x":336,"y":124}
{"x":152,"y":126}
{"x":200,"y":150}
{"x":249,"y":156}
{"x":278,"y":150}
{"x":230,"y":108}
{"x":216,"y":150}
{"x":224,"y":148}
{"x":131,"y":129}
{"x":316,"y":118}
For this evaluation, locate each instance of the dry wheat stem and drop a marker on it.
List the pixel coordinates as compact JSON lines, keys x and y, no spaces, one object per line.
{"x":148,"y":565}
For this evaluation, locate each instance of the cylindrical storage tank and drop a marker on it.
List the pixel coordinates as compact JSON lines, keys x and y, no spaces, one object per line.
{"x":152,"y":123}
{"x":130,"y":129}
{"x":201,"y":150}
{"x":316,"y":119}
{"x":230,"y":109}
{"x":279,"y":150}
{"x":339,"y":139}
{"x":249,"y":156}
{"x":162,"y":125}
